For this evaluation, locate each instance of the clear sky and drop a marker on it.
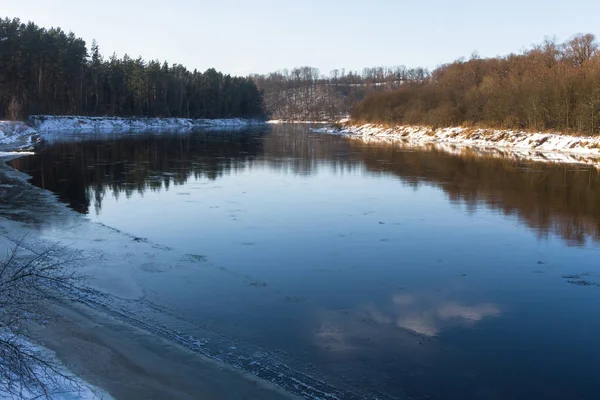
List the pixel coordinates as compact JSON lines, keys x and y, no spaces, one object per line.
{"x":244,"y":36}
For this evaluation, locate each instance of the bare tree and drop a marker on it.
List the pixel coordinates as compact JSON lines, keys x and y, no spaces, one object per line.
{"x":581,"y":48}
{"x":14,"y":109}
{"x":29,"y":281}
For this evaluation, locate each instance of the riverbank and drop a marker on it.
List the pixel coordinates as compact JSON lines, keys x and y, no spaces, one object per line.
{"x":19,"y":135}
{"x":50,"y":124}
{"x":551,"y":147}
{"x":284,"y":121}
{"x":110,"y":357}
{"x":132,"y":364}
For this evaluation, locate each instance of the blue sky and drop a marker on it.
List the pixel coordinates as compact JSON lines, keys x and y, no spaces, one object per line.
{"x":243,"y":36}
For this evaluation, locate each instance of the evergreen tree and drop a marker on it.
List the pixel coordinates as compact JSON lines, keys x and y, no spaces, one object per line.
{"x":47,"y":71}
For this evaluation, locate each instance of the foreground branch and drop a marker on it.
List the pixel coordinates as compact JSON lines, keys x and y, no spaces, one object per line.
{"x":29,"y":281}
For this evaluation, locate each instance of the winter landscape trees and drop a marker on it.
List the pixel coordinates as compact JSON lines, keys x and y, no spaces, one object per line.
{"x":303,"y":93}
{"x":553,"y":86}
{"x":48,"y":71}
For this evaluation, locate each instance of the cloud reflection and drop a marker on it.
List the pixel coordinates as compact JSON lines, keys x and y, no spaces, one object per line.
{"x":468,"y":314}
{"x":446,"y":315}
{"x":344,"y":331}
{"x":425,"y":324}
{"x":403,"y":299}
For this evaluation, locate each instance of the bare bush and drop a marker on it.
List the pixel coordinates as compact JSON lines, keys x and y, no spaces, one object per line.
{"x":29,"y":281}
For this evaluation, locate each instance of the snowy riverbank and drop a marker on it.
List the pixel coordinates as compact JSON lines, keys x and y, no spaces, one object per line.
{"x":552,"y":147}
{"x":15,"y":136}
{"x":44,"y":123}
{"x":19,"y":135}
{"x":15,"y":139}
{"x":283,"y":121}
{"x":59,"y":383}
{"x":18,"y":353}
{"x":111,"y":338}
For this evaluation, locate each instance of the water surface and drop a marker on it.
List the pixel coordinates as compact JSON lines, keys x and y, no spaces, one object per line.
{"x":372,"y":271}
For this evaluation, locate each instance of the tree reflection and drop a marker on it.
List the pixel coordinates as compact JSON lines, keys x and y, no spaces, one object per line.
{"x":562,"y":199}
{"x":82,"y":172}
{"x":551,"y":198}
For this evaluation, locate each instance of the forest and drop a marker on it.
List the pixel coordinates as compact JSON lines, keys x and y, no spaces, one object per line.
{"x":304,"y":93}
{"x":49,"y":71}
{"x":550,"y":87}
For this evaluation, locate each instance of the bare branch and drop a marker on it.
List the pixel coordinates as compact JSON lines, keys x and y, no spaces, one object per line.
{"x":29,"y":280}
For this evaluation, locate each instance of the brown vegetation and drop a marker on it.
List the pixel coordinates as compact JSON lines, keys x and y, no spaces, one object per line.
{"x":550,"y":87}
{"x":552,"y":199}
{"x":305,"y":94}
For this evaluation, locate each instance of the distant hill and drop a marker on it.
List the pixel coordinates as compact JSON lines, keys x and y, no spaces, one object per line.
{"x":304,"y":94}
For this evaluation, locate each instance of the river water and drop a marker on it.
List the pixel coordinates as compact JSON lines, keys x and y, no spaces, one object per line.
{"x":343,"y":269}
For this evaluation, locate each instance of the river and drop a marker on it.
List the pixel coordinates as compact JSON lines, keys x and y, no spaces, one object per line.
{"x":340,"y":269}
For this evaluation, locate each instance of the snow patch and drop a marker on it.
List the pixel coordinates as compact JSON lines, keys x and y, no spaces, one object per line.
{"x":550,"y":147}
{"x":11,"y":131}
{"x":283,"y":121}
{"x":15,"y":135}
{"x":45,"y":124}
{"x":58,"y":386}
{"x":15,"y":153}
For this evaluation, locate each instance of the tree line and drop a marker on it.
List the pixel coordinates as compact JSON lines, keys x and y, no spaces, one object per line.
{"x":303,"y":93}
{"x":49,"y":71}
{"x":552,"y":86}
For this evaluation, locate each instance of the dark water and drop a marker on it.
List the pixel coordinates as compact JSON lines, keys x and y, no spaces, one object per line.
{"x":379,"y":271}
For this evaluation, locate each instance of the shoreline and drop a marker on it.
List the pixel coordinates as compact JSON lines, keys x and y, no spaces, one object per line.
{"x":129,"y":363}
{"x":17,"y":136}
{"x":54,"y":124}
{"x":110,"y":357}
{"x":545,"y":147}
{"x":302,"y":122}
{"x":99,"y":339}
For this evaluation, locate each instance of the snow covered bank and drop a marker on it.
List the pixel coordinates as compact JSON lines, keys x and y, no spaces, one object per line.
{"x":283,"y":121}
{"x":15,"y":135}
{"x":552,"y":147}
{"x":20,"y":135}
{"x":44,"y":123}
{"x":59,"y":383}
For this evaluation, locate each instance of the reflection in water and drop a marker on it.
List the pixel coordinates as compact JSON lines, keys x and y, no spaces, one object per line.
{"x":551,"y":198}
{"x":562,"y":199}
{"x":430,"y":322}
{"x":313,"y":253}
{"x":407,"y":312}
{"x":83,"y":172}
